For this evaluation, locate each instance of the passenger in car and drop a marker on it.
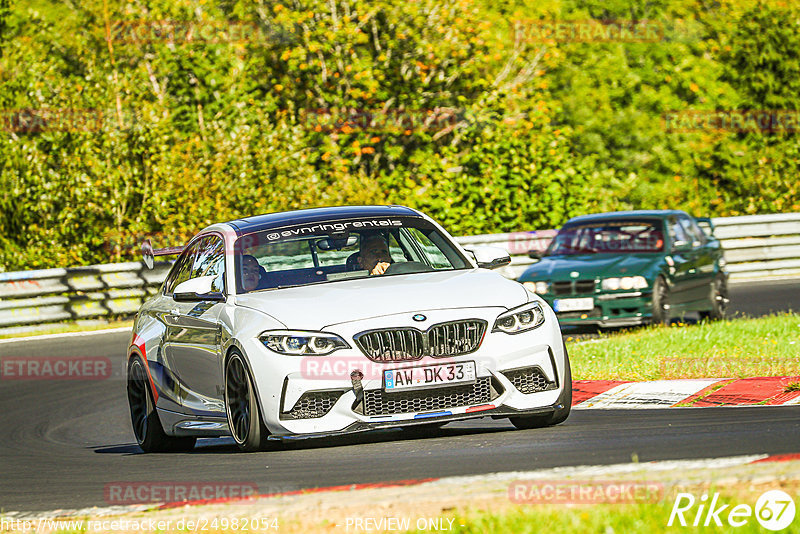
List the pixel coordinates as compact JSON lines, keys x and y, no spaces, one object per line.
{"x":251,"y":272}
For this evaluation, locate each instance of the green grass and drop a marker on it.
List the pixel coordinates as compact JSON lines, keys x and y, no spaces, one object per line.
{"x":600,"y":518}
{"x":737,"y":348}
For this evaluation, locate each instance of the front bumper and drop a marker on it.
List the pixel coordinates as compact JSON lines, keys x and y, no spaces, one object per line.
{"x":360,"y":426}
{"x":610,"y":309}
{"x":307,"y":396}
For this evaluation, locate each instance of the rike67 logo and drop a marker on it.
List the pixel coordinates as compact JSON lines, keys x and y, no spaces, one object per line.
{"x":774,"y":510}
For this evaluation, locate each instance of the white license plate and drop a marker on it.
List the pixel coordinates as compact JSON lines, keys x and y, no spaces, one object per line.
{"x":568,"y":305}
{"x":430,"y":375}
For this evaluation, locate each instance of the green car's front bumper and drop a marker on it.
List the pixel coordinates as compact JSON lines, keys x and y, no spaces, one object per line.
{"x":620,"y":308}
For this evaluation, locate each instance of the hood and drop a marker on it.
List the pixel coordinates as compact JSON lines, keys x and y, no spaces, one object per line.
{"x":316,"y":306}
{"x":590,"y":266}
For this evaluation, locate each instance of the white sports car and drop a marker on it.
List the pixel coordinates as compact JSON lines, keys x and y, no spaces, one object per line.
{"x":335,"y":320}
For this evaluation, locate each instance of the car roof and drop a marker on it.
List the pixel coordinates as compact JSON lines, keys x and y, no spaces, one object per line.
{"x":624,"y":215}
{"x":268,"y":221}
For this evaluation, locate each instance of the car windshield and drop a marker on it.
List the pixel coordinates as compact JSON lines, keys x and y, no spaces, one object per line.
{"x":617,"y":237}
{"x":338,"y":250}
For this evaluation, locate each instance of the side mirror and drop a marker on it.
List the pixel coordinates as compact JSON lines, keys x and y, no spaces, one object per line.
{"x":197,"y":290}
{"x":706,"y":224}
{"x":490,"y":257}
{"x":534,"y":254}
{"x":147,"y":253}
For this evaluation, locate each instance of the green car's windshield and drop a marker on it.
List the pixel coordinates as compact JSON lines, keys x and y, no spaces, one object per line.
{"x":608,"y":237}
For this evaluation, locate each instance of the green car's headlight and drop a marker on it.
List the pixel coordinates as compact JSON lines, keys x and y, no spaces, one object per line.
{"x":539,"y":288}
{"x":298,"y":343}
{"x":520,"y":319}
{"x":626,"y":282}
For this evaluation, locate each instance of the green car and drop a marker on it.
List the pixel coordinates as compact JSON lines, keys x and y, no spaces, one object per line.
{"x":631,"y":267}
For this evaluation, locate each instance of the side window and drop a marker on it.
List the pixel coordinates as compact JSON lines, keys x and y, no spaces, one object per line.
{"x":677,"y":232}
{"x":436,"y":257}
{"x":210,"y":261}
{"x":395,"y":250}
{"x":694,"y":231}
{"x":182,"y":269}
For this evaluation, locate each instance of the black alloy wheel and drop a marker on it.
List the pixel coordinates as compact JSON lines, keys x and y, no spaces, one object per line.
{"x":150,"y":435}
{"x":241,"y":405}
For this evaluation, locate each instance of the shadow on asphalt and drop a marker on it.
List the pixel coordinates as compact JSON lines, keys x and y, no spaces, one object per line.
{"x":227,"y":445}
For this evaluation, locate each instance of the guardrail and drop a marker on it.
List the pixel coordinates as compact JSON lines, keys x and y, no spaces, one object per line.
{"x":49,"y":295}
{"x":757,"y":246}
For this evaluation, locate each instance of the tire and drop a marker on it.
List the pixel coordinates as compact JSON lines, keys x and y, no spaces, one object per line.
{"x":660,"y":304}
{"x":150,"y":435}
{"x":241,"y":406}
{"x":719,"y":300}
{"x":563,"y":406}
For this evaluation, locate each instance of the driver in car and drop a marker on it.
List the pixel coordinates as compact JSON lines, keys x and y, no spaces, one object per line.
{"x":374,"y":255}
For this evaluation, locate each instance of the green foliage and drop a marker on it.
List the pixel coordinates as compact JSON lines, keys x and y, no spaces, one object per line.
{"x":156,"y":118}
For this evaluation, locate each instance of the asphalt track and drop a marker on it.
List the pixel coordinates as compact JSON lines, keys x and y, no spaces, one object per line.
{"x":65,"y":444}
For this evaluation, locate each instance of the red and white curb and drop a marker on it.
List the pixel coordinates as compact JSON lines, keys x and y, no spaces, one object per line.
{"x":569,"y":472}
{"x":701,"y":392}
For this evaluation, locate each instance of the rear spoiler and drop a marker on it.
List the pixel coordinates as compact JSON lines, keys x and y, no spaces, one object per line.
{"x":148,"y":253}
{"x":705,"y":222}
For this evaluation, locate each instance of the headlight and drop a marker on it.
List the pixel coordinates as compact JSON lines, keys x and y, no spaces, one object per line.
{"x":626,"y":282}
{"x":536,"y":287}
{"x":302,"y":343}
{"x":520,"y":319}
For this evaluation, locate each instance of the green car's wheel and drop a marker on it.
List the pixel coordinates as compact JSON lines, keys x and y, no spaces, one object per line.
{"x":660,"y":306}
{"x":719,"y":300}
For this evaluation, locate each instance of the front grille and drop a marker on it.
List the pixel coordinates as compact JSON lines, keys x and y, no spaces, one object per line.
{"x":529,"y":379}
{"x":392,"y":345}
{"x":453,"y":339}
{"x":574,"y":287}
{"x":584,"y":286}
{"x":562,"y":288}
{"x":378,"y":402}
{"x":313,"y":404}
{"x":407,"y":344}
